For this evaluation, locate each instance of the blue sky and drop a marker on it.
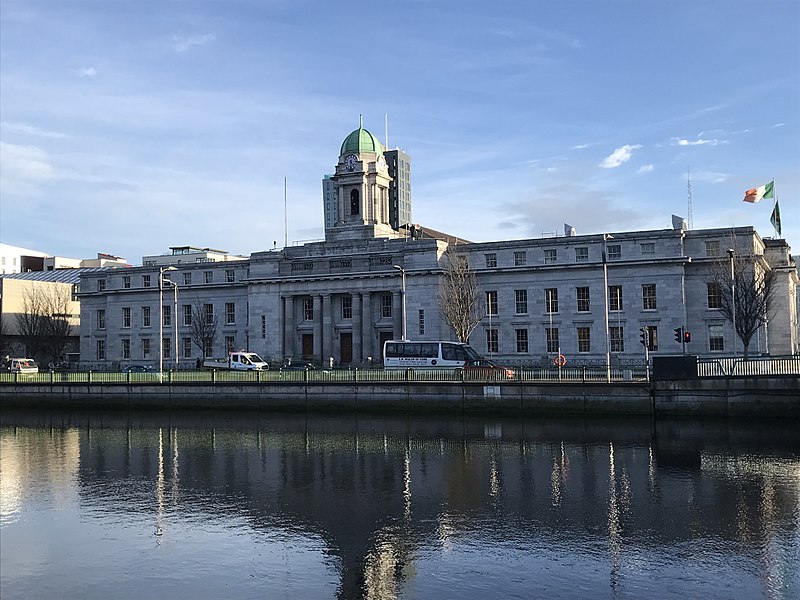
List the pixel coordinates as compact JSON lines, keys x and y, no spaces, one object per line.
{"x":128,"y":127}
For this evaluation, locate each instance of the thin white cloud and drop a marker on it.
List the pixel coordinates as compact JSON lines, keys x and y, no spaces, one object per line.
{"x":580,"y":146}
{"x":87,"y":72}
{"x":24,"y":162}
{"x":619,"y":156}
{"x":779,"y":125}
{"x":645,"y":169}
{"x":30,"y":130}
{"x":697,"y":142}
{"x":710,"y":176}
{"x":182,"y":44}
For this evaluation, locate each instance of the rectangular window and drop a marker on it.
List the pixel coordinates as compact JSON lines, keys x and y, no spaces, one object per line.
{"x":308,"y":309}
{"x":187,"y":315}
{"x":551,"y":300}
{"x":582,"y":297}
{"x":386,"y":306}
{"x":615,"y":297}
{"x":187,"y":279}
{"x":584,"y":339}
{"x":126,"y":348}
{"x":491,"y":303}
{"x":550,"y":256}
{"x":347,"y":307}
{"x":187,"y":347}
{"x":649,"y":296}
{"x":712,"y":248}
{"x":421,"y":322}
{"x":101,"y":318}
{"x":616,"y":339}
{"x":230,"y":276}
{"x":522,"y":341}
{"x":208,"y":313}
{"x":145,"y":348}
{"x":126,"y":282}
{"x":614,"y":251}
{"x":551,"y":337}
{"x":649,"y":249}
{"x":229,"y":344}
{"x":582,"y":254}
{"x":145,"y":316}
{"x":101,"y":349}
{"x":521,"y":302}
{"x":166,"y":314}
{"x":101,"y":285}
{"x":491,"y":260}
{"x":716,"y":341}
{"x":208,"y":347}
{"x":166,"y":344}
{"x":76,"y":288}
{"x":521,"y":258}
{"x":126,"y":316}
{"x":208,"y":276}
{"x":263,"y":326}
{"x":230,"y":313}
{"x":145,"y":280}
{"x":714,"y":295}
{"x":492,"y":342}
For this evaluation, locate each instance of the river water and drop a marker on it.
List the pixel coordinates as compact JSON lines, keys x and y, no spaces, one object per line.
{"x":221,"y":505}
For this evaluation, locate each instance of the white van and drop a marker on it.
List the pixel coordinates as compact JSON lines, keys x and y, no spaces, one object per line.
{"x":23,"y":365}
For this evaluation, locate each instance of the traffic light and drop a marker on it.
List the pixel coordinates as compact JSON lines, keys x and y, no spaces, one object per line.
{"x":687,"y":337}
{"x":679,"y":334}
{"x":643,"y":336}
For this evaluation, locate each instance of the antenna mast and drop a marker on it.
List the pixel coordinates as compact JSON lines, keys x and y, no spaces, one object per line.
{"x":689,"y":189}
{"x":285,"y":218}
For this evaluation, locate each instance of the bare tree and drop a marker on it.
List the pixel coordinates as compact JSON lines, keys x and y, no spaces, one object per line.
{"x":45,"y":322}
{"x":749,"y":298}
{"x":459,"y":297}
{"x":204,"y":326}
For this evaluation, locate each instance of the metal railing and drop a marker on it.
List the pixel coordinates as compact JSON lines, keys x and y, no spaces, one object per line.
{"x":505,"y":375}
{"x":748,"y":367}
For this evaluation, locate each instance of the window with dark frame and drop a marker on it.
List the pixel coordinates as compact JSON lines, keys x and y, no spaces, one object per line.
{"x":521,"y":302}
{"x":616,"y":338}
{"x":615,"y":297}
{"x":522,"y":341}
{"x":584,"y":339}
{"x":551,"y":339}
{"x":492,"y":341}
{"x":386,"y":306}
{"x":491,"y":303}
{"x":649,"y":296}
{"x":582,"y":298}
{"x":347,"y":307}
{"x":308,"y":309}
{"x":230,"y":313}
{"x":551,"y":300}
{"x":714,"y":295}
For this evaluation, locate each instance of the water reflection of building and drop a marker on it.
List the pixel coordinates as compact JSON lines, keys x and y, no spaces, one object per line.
{"x":382,"y":491}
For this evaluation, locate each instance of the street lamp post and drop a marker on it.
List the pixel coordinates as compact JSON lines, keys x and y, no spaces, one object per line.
{"x":403,"y":296}
{"x":606,"y":237}
{"x":731,"y":254}
{"x":161,"y":319}
{"x":174,"y":317}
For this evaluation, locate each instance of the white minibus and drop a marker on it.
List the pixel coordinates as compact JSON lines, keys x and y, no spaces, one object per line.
{"x":427,"y":355}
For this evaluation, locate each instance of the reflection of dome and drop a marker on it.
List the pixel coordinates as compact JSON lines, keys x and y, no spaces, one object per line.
{"x":360,"y":141}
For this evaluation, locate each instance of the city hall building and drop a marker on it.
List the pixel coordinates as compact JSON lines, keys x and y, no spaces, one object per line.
{"x":340,"y":299}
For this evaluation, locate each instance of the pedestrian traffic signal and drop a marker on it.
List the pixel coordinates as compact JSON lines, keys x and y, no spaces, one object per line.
{"x":679,"y":334}
{"x":687,"y":337}
{"x":643,"y":336}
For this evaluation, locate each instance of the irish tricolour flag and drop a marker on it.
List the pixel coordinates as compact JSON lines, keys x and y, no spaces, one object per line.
{"x":756,"y":194}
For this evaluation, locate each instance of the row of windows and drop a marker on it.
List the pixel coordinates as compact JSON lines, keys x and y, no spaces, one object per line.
{"x":145,"y":350}
{"x":582,"y":299}
{"x":147,"y":280}
{"x":583,"y":336}
{"x":613,"y":252}
{"x":166,"y":314}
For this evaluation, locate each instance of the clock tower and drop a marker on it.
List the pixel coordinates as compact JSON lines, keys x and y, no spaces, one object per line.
{"x":360,"y":190}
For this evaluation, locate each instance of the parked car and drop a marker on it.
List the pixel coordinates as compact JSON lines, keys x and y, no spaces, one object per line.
{"x":483,"y":368}
{"x":26,"y":366}
{"x":298,"y":366}
{"x":139,"y":369}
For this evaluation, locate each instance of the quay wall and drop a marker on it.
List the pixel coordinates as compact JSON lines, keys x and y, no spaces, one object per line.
{"x":752,"y":396}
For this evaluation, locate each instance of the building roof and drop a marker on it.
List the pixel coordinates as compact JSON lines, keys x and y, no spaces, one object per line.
{"x":360,"y":141}
{"x":58,"y":275}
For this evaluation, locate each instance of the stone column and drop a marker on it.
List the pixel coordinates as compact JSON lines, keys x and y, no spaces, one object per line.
{"x":397,"y":316}
{"x":288,"y":324}
{"x":327,"y":329}
{"x":357,"y":356}
{"x":366,"y":326}
{"x":317,"y":327}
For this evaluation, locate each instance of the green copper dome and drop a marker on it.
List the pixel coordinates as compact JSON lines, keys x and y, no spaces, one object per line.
{"x":360,"y":141}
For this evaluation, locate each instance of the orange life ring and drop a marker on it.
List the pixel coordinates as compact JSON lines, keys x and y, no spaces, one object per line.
{"x":560,"y":360}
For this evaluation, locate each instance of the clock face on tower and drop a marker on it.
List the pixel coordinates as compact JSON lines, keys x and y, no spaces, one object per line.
{"x":350,"y":162}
